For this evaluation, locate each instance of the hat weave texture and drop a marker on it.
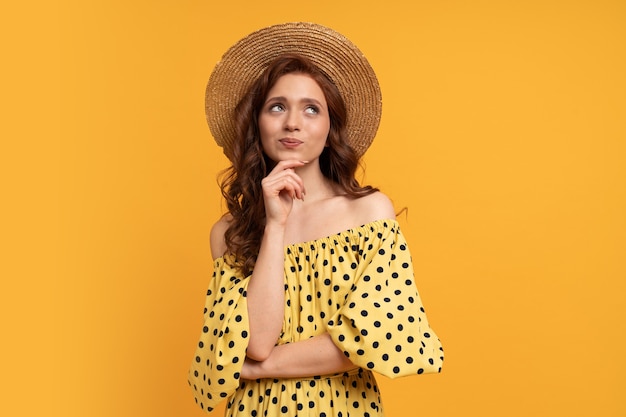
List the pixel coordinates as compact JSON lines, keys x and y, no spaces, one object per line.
{"x":335,"y":55}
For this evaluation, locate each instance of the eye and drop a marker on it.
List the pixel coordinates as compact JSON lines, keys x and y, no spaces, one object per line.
{"x":276,"y":107}
{"x":311,"y":110}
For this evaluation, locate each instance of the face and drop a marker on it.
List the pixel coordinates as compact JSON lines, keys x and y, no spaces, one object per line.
{"x":294,"y":121}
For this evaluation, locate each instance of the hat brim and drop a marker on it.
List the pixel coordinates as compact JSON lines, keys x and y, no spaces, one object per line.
{"x":335,"y":55}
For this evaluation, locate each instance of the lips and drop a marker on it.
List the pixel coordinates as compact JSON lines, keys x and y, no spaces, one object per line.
{"x":290,"y":142}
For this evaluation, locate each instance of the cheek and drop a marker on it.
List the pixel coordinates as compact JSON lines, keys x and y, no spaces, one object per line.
{"x":320,"y":127}
{"x":324,"y":130}
{"x":265,"y":127}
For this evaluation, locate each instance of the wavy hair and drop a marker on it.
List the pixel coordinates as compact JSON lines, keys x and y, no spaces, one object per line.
{"x":241,"y":182}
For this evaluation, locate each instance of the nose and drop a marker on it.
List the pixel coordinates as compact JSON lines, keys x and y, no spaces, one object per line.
{"x":292,"y":121}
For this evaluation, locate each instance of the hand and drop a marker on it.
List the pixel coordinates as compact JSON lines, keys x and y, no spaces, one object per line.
{"x":251,"y":369}
{"x":317,"y":355}
{"x":281,"y":186}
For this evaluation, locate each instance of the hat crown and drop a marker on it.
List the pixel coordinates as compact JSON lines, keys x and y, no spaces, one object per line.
{"x":335,"y":55}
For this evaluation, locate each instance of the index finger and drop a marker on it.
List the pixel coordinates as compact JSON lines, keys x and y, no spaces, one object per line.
{"x":290,"y":163}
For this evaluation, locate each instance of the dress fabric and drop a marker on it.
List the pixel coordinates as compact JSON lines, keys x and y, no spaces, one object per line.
{"x":357,"y":285}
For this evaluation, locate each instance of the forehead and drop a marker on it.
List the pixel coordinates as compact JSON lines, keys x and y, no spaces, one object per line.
{"x":297,"y":84}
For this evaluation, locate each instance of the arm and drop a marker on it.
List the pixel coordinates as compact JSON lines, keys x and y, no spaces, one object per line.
{"x":266,"y":291}
{"x":319,"y":355}
{"x":315,"y":356}
{"x":401,"y":328}
{"x":266,"y":294}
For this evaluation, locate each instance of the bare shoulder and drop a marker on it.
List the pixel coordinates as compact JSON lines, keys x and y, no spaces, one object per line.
{"x":218,"y":245}
{"x":375,"y":206}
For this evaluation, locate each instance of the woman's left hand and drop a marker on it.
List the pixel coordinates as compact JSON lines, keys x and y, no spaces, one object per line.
{"x":251,"y":369}
{"x":317,"y":355}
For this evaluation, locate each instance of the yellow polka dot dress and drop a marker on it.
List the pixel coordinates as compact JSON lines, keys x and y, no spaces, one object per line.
{"x":358,"y":286}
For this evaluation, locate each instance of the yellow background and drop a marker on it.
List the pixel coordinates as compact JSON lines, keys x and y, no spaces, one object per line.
{"x":503,"y":132}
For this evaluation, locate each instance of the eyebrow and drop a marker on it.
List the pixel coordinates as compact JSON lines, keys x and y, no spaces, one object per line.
{"x":304,"y":100}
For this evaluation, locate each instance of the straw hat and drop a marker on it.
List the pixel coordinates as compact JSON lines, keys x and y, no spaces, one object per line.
{"x":338,"y":58}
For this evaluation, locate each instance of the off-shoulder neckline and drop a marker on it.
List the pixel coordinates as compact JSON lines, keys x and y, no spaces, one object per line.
{"x":366,"y":227}
{"x":342,"y":234}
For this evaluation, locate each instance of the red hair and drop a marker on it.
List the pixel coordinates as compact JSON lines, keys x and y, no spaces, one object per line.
{"x":241,"y":183}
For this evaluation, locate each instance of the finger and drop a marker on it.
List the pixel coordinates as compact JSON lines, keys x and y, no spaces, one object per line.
{"x":298,"y":183}
{"x":289,"y":163}
{"x":274,"y":186}
{"x":292,"y":187}
{"x":275,"y":181}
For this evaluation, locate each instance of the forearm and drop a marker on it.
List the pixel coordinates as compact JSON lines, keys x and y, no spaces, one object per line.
{"x":315,"y":356}
{"x":266,"y":294}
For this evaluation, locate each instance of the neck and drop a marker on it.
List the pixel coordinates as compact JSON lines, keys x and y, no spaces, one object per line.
{"x":316,"y":185}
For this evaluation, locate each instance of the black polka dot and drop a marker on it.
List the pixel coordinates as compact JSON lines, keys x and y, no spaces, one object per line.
{"x":369,"y":313}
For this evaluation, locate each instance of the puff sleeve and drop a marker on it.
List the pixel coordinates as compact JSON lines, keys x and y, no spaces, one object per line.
{"x":220,"y":354}
{"x":382,"y":326}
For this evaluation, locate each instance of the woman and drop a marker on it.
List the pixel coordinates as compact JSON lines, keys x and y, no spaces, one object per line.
{"x":313,"y":286}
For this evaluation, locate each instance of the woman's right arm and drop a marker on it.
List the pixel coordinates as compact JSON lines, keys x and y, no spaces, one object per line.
{"x":266,"y":294}
{"x":266,"y":289}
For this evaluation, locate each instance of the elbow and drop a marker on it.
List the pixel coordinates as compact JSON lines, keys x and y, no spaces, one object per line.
{"x":258,"y":353}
